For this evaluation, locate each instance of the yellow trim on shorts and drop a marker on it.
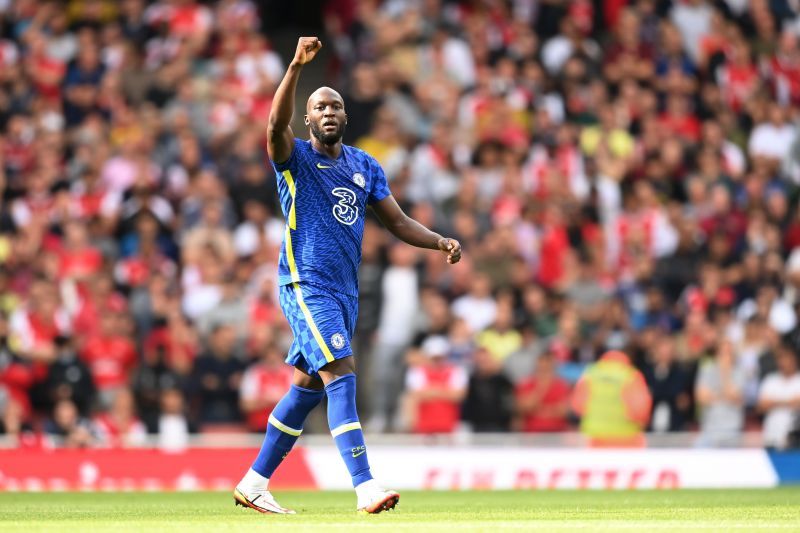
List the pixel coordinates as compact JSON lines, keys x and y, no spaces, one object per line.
{"x":310,"y":320}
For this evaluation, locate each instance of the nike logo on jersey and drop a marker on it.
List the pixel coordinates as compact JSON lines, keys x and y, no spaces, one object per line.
{"x":320,"y":165}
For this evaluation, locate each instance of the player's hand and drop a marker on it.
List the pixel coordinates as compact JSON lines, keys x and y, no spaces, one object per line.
{"x":452,"y":248}
{"x":307,"y":48}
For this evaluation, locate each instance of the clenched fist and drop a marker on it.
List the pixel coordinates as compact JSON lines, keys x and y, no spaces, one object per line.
{"x":307,"y":48}
{"x":452,"y":248}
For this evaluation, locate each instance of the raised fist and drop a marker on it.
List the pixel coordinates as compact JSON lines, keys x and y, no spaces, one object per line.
{"x":307,"y":48}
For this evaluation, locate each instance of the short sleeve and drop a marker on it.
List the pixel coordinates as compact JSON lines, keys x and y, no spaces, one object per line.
{"x":248,"y":390}
{"x":459,"y":378}
{"x":289,"y":163}
{"x":380,"y":187}
{"x":415,"y":379}
{"x":705,"y":377}
{"x":767,"y":390}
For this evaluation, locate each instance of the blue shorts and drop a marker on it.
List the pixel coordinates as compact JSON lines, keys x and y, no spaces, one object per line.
{"x":322,"y":321}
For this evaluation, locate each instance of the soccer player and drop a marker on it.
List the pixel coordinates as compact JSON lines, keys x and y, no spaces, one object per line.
{"x":325,"y":187}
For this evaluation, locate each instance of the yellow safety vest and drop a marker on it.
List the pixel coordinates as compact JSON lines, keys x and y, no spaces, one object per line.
{"x":605,"y":414}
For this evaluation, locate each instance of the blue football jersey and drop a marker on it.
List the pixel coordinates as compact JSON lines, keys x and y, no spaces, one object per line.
{"x":324,"y":201}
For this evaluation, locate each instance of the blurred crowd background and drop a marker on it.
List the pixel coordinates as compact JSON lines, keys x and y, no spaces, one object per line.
{"x":622,"y":175}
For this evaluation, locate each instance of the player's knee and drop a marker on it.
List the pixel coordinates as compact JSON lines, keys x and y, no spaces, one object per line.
{"x":337,"y":368}
{"x":306,"y":381}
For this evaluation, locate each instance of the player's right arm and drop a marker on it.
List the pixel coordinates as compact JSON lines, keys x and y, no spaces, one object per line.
{"x":280,"y":138}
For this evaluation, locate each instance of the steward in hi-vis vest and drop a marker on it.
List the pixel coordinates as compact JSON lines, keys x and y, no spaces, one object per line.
{"x":613,"y":402}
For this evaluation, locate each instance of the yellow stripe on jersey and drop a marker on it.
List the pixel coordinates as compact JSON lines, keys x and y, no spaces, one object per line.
{"x":295,"y":274}
{"x":290,"y":256}
{"x":310,"y":319}
{"x":283,"y":427}
{"x":287,"y":175}
{"x":292,"y":224}
{"x":344,"y":428}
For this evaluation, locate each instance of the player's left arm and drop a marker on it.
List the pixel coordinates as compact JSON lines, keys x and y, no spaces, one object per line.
{"x":412,"y":232}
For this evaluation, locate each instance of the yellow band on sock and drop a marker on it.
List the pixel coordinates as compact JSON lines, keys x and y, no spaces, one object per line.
{"x":344,"y":428}
{"x":283,"y":427}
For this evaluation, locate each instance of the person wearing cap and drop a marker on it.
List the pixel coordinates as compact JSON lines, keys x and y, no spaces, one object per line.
{"x":435,"y":389}
{"x":613,"y":401}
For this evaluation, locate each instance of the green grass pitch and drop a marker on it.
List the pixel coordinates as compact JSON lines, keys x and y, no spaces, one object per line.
{"x":680,"y":510}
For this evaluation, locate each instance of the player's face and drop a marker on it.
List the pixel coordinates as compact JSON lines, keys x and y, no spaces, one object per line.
{"x":326,"y":117}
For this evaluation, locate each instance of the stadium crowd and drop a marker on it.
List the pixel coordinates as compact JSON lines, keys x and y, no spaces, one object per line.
{"x":622,"y":175}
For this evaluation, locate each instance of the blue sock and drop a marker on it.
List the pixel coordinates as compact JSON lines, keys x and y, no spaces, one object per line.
{"x":285,"y":425}
{"x":345,"y":427}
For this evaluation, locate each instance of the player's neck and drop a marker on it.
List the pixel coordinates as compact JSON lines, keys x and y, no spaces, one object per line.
{"x":330,"y":150}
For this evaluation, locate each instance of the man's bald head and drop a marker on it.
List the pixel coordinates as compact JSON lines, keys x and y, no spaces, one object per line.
{"x":325,"y":115}
{"x":323,"y":94}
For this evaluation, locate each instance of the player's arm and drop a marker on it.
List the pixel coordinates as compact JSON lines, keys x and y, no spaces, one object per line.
{"x":412,"y":232}
{"x":280,"y":138}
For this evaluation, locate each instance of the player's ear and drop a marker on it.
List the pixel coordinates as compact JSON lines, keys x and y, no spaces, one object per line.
{"x":345,"y":119}
{"x":305,"y":119}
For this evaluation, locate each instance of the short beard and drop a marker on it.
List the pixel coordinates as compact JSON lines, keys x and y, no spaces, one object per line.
{"x":328,"y":139}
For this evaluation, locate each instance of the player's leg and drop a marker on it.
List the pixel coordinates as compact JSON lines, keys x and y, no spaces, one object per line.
{"x":283,"y":429}
{"x":323,"y":334}
{"x":286,"y":421}
{"x":340,"y":387}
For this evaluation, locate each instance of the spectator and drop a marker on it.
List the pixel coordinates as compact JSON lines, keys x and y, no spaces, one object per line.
{"x":432,"y":168}
{"x":613,"y":402}
{"x":67,"y":427}
{"x":10,"y":419}
{"x":119,"y":426}
{"x":542,"y":399}
{"x":435,"y":389}
{"x":263,"y":384}
{"x":173,"y":426}
{"x":384,"y":142}
{"x":231,"y":309}
{"x":217,"y":377}
{"x":78,"y":259}
{"x":69,"y":378}
{"x":628,"y":56}
{"x":784,"y":69}
{"x":538,"y":314}
{"x":477,"y":308}
{"x":501,"y":339}
{"x":35,"y":327}
{"x":488,"y":406}
{"x":151,"y":379}
{"x":720,"y":397}
{"x":258,"y":229}
{"x":570,"y":41}
{"x":81,"y":84}
{"x":693,"y":19}
{"x":669,"y":385}
{"x":399,"y":304}
{"x":175,"y":337}
{"x":17,"y":378}
{"x":779,"y":399}
{"x":110,"y":356}
{"x":772,"y":139}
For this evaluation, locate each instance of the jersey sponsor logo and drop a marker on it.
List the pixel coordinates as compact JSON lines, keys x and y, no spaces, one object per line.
{"x":359,"y":450}
{"x":346,"y":210}
{"x":320,"y":165}
{"x":337,"y":340}
{"x":358,"y":179}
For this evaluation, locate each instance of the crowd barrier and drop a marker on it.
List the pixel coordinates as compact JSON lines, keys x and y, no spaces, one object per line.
{"x":403,"y":467}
